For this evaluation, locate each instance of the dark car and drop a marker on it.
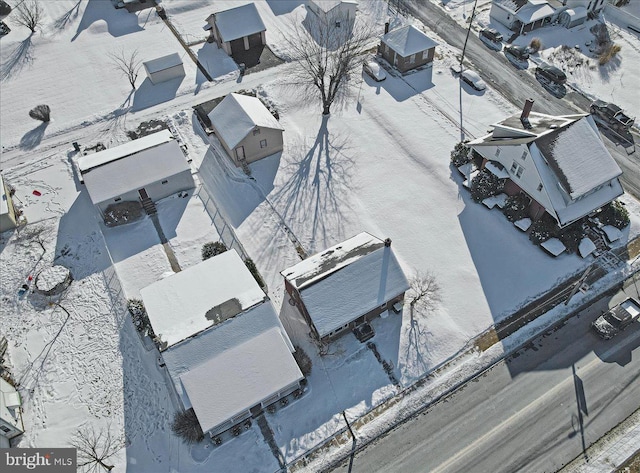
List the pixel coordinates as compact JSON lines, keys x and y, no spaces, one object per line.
{"x":551,"y":73}
{"x":520,"y":53}
{"x":491,"y":34}
{"x":617,"y":319}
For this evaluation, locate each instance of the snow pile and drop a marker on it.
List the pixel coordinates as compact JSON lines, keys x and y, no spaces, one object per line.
{"x":53,"y":280}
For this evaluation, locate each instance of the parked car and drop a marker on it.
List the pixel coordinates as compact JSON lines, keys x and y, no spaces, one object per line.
{"x":491,"y":34}
{"x":551,"y":73}
{"x":617,"y":319}
{"x":521,"y":53}
{"x":456,"y":68}
{"x":611,"y":116}
{"x":373,"y":70}
{"x":473,"y":79}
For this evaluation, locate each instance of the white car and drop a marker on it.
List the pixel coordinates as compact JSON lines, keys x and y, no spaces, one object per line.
{"x":373,"y":69}
{"x":473,"y":80}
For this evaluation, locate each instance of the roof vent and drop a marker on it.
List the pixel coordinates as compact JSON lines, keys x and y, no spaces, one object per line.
{"x":387,"y":242}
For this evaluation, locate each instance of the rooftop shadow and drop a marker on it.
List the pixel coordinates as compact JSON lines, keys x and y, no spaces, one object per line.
{"x":282,"y":7}
{"x":149,"y":94}
{"x":117,"y":22}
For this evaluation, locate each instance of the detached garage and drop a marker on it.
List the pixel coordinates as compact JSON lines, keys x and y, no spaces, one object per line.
{"x":164,"y":68}
{"x":237,"y":30}
{"x":142,"y":170}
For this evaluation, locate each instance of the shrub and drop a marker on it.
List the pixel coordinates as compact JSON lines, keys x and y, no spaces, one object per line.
{"x":485,"y":184}
{"x":303,"y":360}
{"x":542,"y":230}
{"x":609,"y":51}
{"x":186,"y":426}
{"x":212,"y":248}
{"x":251,"y":266}
{"x":516,"y":207}
{"x":571,"y":236}
{"x":139,"y":316}
{"x":460,"y":155}
{"x":614,"y":214}
{"x":535,"y":45}
{"x":41,"y":112}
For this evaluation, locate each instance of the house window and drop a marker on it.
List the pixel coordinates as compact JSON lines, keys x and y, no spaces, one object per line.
{"x":425,"y":55}
{"x":165,"y":181}
{"x":498,"y":152}
{"x":383,"y":306}
{"x":117,"y":199}
{"x":256,"y":131}
{"x":263,"y":143}
{"x":412,"y":59}
{"x":524,"y":155}
{"x":5,"y":429}
{"x":540,"y":187}
{"x":337,"y":24}
{"x":517,"y":169}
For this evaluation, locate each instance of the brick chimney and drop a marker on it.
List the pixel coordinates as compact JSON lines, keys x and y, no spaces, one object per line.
{"x":387,"y":242}
{"x":524,"y":118}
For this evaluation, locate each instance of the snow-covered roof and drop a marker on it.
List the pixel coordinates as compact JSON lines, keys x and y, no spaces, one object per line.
{"x":239,"y":22}
{"x":586,"y":247}
{"x":523,"y":224}
{"x":553,"y":246}
{"x":408,"y":40}
{"x":237,"y":115}
{"x":239,"y":378}
{"x":500,"y":200}
{"x":347,"y":280}
{"x":188,"y":302}
{"x":613,"y":234}
{"x":162,"y":63}
{"x":4,"y":203}
{"x":9,"y":405}
{"x":328,"y":5}
{"x":534,"y":11}
{"x":120,"y":172}
{"x":579,"y":158}
{"x":576,"y":13}
{"x":90,"y":161}
{"x":497,"y":170}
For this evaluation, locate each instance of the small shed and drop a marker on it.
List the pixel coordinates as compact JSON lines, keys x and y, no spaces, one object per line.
{"x":237,"y":29}
{"x":164,"y":68}
{"x":149,"y":168}
{"x":347,"y":285}
{"x":8,"y":217}
{"x":407,"y":48}
{"x":246,"y":128}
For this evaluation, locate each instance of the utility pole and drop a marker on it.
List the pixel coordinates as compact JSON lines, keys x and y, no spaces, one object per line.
{"x":473,"y":14}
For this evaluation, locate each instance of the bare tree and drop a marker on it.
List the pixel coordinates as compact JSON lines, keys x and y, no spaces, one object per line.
{"x":424,"y":291}
{"x":128,"y":64}
{"x":29,"y":14}
{"x":33,"y":234}
{"x":95,"y":448}
{"x":186,"y":426}
{"x":325,"y":52}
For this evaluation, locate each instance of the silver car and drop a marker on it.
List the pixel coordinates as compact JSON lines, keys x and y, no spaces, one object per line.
{"x":473,"y":79}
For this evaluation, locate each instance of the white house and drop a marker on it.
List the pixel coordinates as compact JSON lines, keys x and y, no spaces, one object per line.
{"x":246,"y":128}
{"x":10,"y":414}
{"x":8,"y":217}
{"x":559,"y":162}
{"x":151,"y":167}
{"x":347,"y":285}
{"x":522,"y":15}
{"x":237,"y":29}
{"x":164,"y":68}
{"x":220,"y":336}
{"x":334,"y":11}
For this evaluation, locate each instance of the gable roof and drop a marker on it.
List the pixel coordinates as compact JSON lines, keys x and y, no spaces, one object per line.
{"x":327,"y":5}
{"x":346,"y":281}
{"x":162,"y":63}
{"x":237,"y":115}
{"x":408,"y":40}
{"x":241,"y":377}
{"x":133,"y":165}
{"x":186,"y":303}
{"x":239,"y":22}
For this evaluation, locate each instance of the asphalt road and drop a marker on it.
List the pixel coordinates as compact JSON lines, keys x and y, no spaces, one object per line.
{"x":519,"y":85}
{"x":534,"y":412}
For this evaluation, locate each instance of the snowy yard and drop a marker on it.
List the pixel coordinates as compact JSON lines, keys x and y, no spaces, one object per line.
{"x":380,"y":163}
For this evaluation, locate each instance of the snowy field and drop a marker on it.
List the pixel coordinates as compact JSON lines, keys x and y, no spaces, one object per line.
{"x":379,"y":163}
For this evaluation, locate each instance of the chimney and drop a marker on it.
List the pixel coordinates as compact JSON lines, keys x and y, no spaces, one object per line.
{"x":524,"y":118}
{"x":387,"y":242}
{"x":386,"y":27}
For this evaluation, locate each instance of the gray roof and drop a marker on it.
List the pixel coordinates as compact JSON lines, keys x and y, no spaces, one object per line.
{"x":408,"y":40}
{"x":239,"y":22}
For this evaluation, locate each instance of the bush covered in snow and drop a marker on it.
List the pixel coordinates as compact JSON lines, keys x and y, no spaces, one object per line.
{"x":460,"y":154}
{"x":212,"y":248}
{"x":139,"y":316}
{"x":186,"y":426}
{"x":251,"y":266}
{"x":614,"y":214}
{"x":484,"y":185}
{"x":303,"y":360}
{"x":516,"y":207}
{"x":543,"y":229}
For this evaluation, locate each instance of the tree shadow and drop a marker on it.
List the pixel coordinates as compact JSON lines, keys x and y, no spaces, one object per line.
{"x":68,"y":17}
{"x":318,"y":181}
{"x":32,"y":138}
{"x":18,"y":58}
{"x":611,"y":65}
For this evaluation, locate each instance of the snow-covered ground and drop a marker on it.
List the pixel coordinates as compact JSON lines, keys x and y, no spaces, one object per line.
{"x":379,"y":163}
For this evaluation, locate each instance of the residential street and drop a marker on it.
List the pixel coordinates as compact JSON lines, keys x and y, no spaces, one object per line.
{"x":518,"y":85}
{"x":535,"y":412}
